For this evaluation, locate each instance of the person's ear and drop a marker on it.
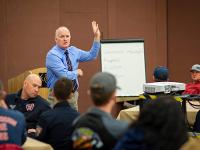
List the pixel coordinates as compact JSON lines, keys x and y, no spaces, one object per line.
{"x":25,"y":84}
{"x":52,"y":93}
{"x":3,"y":104}
{"x":154,"y":78}
{"x":71,"y":95}
{"x":3,"y":94}
{"x":88,"y":92}
{"x":113,"y":96}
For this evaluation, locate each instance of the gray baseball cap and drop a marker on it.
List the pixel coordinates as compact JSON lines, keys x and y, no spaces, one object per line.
{"x":104,"y":81}
{"x":195,"y":67}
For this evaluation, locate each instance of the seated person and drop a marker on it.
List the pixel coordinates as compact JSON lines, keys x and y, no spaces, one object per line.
{"x":12,"y":124}
{"x":160,"y":126}
{"x":161,"y":74}
{"x":194,"y":86}
{"x":29,"y":102}
{"x":103,"y":130}
{"x":54,"y":126}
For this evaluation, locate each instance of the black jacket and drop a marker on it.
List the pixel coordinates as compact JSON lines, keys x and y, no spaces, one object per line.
{"x":56,"y":126}
{"x":31,"y":108}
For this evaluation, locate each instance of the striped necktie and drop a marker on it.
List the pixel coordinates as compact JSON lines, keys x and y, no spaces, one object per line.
{"x":70,"y":68}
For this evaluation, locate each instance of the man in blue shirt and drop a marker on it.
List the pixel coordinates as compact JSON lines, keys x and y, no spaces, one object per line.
{"x":63,"y":60}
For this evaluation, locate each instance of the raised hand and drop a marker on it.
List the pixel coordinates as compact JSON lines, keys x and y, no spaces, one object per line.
{"x":96,"y":31}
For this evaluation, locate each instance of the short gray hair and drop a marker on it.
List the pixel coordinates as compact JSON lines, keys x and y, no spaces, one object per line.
{"x":59,"y":29}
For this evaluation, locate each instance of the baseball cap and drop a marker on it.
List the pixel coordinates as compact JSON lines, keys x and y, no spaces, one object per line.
{"x":195,"y":67}
{"x":161,"y":73}
{"x":104,"y":81}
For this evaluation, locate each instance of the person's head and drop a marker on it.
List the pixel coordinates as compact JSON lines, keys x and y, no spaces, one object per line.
{"x":103,"y":87}
{"x":63,"y":89}
{"x":161,"y":74}
{"x":31,"y":86}
{"x":195,"y":72}
{"x":62,"y":37}
{"x":163,"y":123}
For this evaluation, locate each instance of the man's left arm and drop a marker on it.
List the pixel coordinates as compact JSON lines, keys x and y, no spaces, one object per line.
{"x":93,"y":53}
{"x":96,"y":31}
{"x":24,"y":133}
{"x":41,"y":129}
{"x":43,"y":108}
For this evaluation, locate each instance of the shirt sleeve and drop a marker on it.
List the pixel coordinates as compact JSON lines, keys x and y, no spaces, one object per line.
{"x":46,"y":106}
{"x":196,"y":127}
{"x":8,"y":100}
{"x":24,"y":133}
{"x":192,"y":89}
{"x":41,"y":128}
{"x":115,"y":127}
{"x":55,"y":64}
{"x":91,"y":54}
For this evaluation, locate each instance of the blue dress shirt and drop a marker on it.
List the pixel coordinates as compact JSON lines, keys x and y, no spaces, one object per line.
{"x":57,"y":66}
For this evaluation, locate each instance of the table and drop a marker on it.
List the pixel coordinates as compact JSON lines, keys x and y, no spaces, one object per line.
{"x":32,"y":144}
{"x":191,"y":144}
{"x":131,"y":114}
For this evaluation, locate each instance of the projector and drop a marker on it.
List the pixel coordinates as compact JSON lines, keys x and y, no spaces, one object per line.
{"x":163,"y":87}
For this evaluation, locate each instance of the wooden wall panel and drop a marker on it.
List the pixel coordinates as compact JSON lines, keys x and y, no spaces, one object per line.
{"x":142,"y":19}
{"x":3,"y":42}
{"x":77,"y":15}
{"x":183,"y":38}
{"x":30,"y":29}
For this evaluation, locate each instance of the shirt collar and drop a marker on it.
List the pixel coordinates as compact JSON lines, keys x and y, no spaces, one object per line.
{"x":62,"y":104}
{"x":61,"y":50}
{"x":18,"y":96}
{"x":95,"y":110}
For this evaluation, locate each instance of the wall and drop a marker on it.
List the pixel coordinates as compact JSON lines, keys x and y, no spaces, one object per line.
{"x":28,"y":32}
{"x":183,"y":38}
{"x":28,"y":27}
{"x":2,"y":41}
